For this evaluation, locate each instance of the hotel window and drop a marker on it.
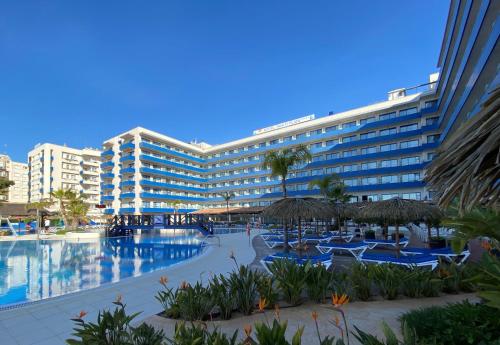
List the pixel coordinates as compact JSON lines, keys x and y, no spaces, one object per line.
{"x":373,"y":197}
{"x":430,"y":104}
{"x":410,"y":160}
{"x":352,"y":167}
{"x":408,"y":144}
{"x":351,"y":182}
{"x":412,"y":196}
{"x":368,"y":135}
{"x":410,"y":177}
{"x":388,"y":131}
{"x":431,"y":156}
{"x":431,"y":120}
{"x":389,"y":196}
{"x":285,"y":139}
{"x":388,"y":147}
{"x":319,"y":131}
{"x":349,"y":139}
{"x":390,"y":179}
{"x":262,"y":144}
{"x":332,"y":142}
{"x":367,"y":120}
{"x":349,"y":153}
{"x":331,"y":128}
{"x":406,"y":128}
{"x":368,"y":150}
{"x":332,"y":156}
{"x":300,"y":136}
{"x":320,"y":144}
{"x":349,"y":125}
{"x":366,"y":181}
{"x":369,"y":165}
{"x":318,"y":158}
{"x":432,"y":138}
{"x":316,"y":172}
{"x":273,"y":142}
{"x":387,"y":116}
{"x":389,"y":163}
{"x":408,"y":111}
{"x":302,"y":186}
{"x":334,"y":170}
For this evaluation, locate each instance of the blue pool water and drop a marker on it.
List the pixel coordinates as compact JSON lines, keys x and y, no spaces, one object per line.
{"x":35,"y":270}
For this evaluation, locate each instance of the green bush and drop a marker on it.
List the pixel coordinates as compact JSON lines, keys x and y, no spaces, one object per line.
{"x":387,"y":277}
{"x":267,"y":290}
{"x":341,"y":284}
{"x":458,"y":323}
{"x":223,"y":296}
{"x":319,"y":281}
{"x":456,"y":277}
{"x":244,"y":285}
{"x":195,"y":302}
{"x":168,"y":298}
{"x":361,"y":280}
{"x":275,"y":334}
{"x":291,"y":279}
{"x":419,"y":282}
{"x":198,"y":334}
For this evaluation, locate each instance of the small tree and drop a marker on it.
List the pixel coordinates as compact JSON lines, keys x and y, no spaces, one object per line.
{"x":4,"y":187}
{"x":227,"y":196}
{"x":71,"y":206}
{"x":39,"y":206}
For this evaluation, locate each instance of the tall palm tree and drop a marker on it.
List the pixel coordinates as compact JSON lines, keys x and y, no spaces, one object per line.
{"x":65,"y":198}
{"x":280,"y":162}
{"x":227,"y":196}
{"x":327,"y":185}
{"x":77,"y":211}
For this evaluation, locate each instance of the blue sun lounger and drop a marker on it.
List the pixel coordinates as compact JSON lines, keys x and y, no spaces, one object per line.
{"x":356,"y":249}
{"x":446,"y":253}
{"x":277,"y":241}
{"x":373,"y":243}
{"x":321,"y":259}
{"x":418,"y":260}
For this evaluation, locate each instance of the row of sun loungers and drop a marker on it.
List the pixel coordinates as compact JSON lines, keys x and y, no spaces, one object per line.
{"x":277,"y":240}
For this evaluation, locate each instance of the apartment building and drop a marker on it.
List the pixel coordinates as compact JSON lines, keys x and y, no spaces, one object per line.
{"x":53,"y":167}
{"x":17,"y":172}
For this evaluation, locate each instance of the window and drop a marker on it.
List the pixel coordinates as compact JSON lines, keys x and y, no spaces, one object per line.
{"x":410,"y":177}
{"x":430,"y":104}
{"x":369,"y":165}
{"x":366,"y":181}
{"x":410,"y":160}
{"x":431,"y":120}
{"x":367,"y":120}
{"x":388,"y":131}
{"x":300,"y":136}
{"x":408,"y":111}
{"x":320,"y":144}
{"x":351,"y":182}
{"x":387,"y":116}
{"x":389,"y":163}
{"x":331,"y":128}
{"x":319,"y":131}
{"x":368,"y":135}
{"x":406,"y":128}
{"x":373,"y":197}
{"x":349,"y":139}
{"x":368,"y":150}
{"x":388,"y":147}
{"x":318,"y":158}
{"x":349,"y":125}
{"x":432,"y":138}
{"x":332,"y":142}
{"x":390,"y":179}
{"x":431,"y":156}
{"x":412,"y":196}
{"x":408,"y":144}
{"x":332,"y":156}
{"x":285,"y":139}
{"x":352,"y":167}
{"x":389,"y":196}
{"x":334,"y":170}
{"x":350,"y":153}
{"x":317,"y":172}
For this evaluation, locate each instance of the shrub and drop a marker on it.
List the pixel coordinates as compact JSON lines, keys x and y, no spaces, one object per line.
{"x":361,"y":279}
{"x":341,"y":284}
{"x":291,"y":279}
{"x":275,"y":334}
{"x":454,"y":277}
{"x":113,"y":328}
{"x":267,"y":289}
{"x":319,"y":281}
{"x":244,"y":285}
{"x":168,"y":299}
{"x":458,"y":323}
{"x":223,"y":296}
{"x":387,"y":277}
{"x":194,"y":302}
{"x":198,"y":334}
{"x":419,"y":282}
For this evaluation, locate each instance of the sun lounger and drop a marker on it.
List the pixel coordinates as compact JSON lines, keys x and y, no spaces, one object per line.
{"x":446,"y":253}
{"x":321,"y":259}
{"x":356,"y":249}
{"x":273,"y":242}
{"x":374,"y":243}
{"x":407,"y":261}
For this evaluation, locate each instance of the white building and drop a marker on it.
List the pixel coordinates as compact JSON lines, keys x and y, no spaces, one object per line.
{"x":17,"y":172}
{"x":53,"y":167}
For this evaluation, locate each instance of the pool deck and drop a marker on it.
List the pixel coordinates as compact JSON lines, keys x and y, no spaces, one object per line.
{"x":48,"y":321}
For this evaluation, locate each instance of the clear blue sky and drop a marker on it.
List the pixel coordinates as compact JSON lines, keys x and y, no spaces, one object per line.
{"x":79,"y":72}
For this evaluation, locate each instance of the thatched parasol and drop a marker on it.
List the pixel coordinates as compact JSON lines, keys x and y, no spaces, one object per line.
{"x":297,"y":209}
{"x":398,"y":212}
{"x":468,"y":162}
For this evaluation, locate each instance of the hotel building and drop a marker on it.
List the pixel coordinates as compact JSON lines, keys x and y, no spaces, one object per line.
{"x":53,"y":167}
{"x":17,"y":172}
{"x":380,"y":151}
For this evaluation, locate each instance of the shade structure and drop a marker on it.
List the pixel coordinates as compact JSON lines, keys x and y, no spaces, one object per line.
{"x":468,"y":162}
{"x":295,"y":208}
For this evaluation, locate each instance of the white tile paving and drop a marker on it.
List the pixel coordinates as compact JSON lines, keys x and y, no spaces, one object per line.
{"x":48,"y":321}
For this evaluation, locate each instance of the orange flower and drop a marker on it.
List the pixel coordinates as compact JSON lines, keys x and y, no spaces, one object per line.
{"x":314,"y":316}
{"x":262,"y":304}
{"x":277,"y":311}
{"x":184,"y":285}
{"x":163,"y":280}
{"x":248,"y":330}
{"x":82,"y":314}
{"x":486,"y":245}
{"x":338,"y":301}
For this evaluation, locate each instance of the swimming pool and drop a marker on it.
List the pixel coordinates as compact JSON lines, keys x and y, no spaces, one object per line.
{"x":35,"y":270}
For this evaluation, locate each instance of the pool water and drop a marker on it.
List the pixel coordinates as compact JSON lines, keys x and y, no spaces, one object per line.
{"x":35,"y":270}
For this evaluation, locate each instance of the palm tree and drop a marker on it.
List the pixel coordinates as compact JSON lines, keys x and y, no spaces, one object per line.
{"x":227,"y":196}
{"x":38,"y":206}
{"x":65,"y":198}
{"x":77,"y":211}
{"x":280,"y":162}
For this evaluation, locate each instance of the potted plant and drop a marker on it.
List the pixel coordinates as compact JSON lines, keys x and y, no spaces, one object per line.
{"x":370,"y":234}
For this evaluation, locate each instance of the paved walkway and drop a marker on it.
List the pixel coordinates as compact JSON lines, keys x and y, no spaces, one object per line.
{"x":367,"y":316}
{"x":48,"y":322}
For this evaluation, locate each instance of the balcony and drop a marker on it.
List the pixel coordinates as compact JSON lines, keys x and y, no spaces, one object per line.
{"x":171,"y":186}
{"x":127,"y":210}
{"x":127,"y":195}
{"x":127,"y":184}
{"x":107,"y":153}
{"x":107,"y":176}
{"x":108,"y":186}
{"x":170,"y":152}
{"x":107,"y":165}
{"x":107,"y":198}
{"x":170,"y":197}
{"x":109,"y":211}
{"x":172,"y":164}
{"x":165,"y":210}
{"x":127,"y":146}
{"x":127,"y":171}
{"x":169,"y":174}
{"x":129,"y":158}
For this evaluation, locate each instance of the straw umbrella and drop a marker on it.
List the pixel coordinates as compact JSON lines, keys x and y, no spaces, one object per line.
{"x":397,"y":211}
{"x":297,"y":209}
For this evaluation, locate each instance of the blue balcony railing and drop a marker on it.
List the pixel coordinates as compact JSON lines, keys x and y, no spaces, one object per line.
{"x":129,"y":158}
{"x":127,"y":146}
{"x":107,"y":165}
{"x":107,"y":175}
{"x":107,"y":153}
